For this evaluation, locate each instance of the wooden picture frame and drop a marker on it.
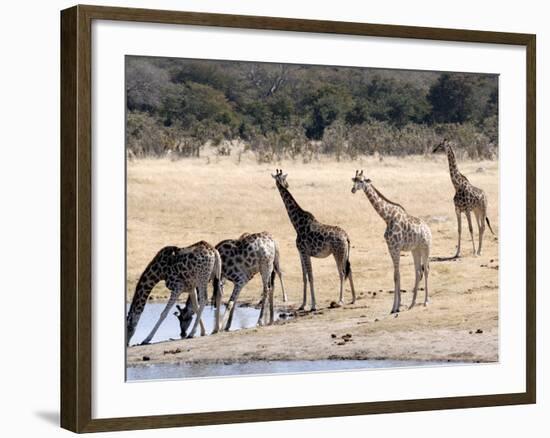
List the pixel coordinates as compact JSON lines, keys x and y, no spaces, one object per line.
{"x":76,"y":217}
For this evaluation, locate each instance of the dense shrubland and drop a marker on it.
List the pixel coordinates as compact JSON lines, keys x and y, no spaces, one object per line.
{"x":278,"y":111}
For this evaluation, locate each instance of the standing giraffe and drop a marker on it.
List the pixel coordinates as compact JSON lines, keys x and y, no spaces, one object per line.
{"x":182,"y":269}
{"x":315,"y":239}
{"x":467,"y":199}
{"x":403,"y":233}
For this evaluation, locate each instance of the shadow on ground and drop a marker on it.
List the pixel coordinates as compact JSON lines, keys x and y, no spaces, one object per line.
{"x":444,"y":259}
{"x":51,"y":417}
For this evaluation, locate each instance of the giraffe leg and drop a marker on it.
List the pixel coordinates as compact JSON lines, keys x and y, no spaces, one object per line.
{"x":459,"y":225}
{"x":199,"y":298}
{"x":285,"y":296}
{"x":169,"y":304}
{"x":271,"y":303}
{"x":310,"y":279}
{"x":266,"y":269}
{"x":271,"y":293}
{"x":480,"y":217}
{"x":471,"y":228}
{"x":228,"y":315}
{"x":341,"y":296}
{"x":395,"y":255}
{"x":417,"y":274}
{"x":194,"y":296}
{"x":203,"y":299}
{"x":346,"y":264}
{"x":341,"y":266}
{"x":271,"y":306}
{"x":197,"y":307}
{"x":202,"y":305}
{"x":426,"y":272}
{"x":277,"y":267}
{"x":218,"y":320}
{"x":262,"y":309}
{"x":304,"y":278}
{"x":350,"y":278}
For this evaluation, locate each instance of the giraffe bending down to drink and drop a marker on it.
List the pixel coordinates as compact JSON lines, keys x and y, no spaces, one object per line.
{"x":315,"y":239}
{"x":403,"y":233}
{"x":467,"y":198}
{"x":242,"y":259}
{"x":183,"y":270}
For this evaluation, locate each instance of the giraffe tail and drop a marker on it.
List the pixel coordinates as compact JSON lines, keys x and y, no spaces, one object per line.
{"x":279,"y":272}
{"x":217,"y":275}
{"x":347,"y":268}
{"x":489,"y":224}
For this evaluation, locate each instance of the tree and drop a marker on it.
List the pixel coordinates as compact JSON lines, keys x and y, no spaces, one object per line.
{"x":173,"y":102}
{"x":452,"y":99}
{"x":325,"y":106}
{"x":146,"y":85}
{"x":359,"y":113}
{"x":397,"y":103}
{"x":192,"y":102}
{"x":491,"y":108}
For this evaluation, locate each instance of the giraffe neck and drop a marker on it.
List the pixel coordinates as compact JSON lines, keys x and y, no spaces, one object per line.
{"x":150,"y":277}
{"x":383,"y":206}
{"x":295,"y":212}
{"x":456,"y":176}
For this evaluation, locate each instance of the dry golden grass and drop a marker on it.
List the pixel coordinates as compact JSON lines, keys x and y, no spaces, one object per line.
{"x":181,"y":202}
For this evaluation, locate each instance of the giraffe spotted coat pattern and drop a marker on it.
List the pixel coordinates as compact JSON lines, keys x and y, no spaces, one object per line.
{"x":467,"y":199}
{"x":314,"y":239}
{"x":186,"y":269}
{"x":404,"y":233}
{"x":242,"y":259}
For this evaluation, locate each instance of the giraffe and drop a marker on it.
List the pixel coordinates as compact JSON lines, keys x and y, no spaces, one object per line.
{"x":314,"y":239}
{"x":242,"y":259}
{"x":467,"y":198}
{"x":403,"y":233}
{"x":182,"y":269}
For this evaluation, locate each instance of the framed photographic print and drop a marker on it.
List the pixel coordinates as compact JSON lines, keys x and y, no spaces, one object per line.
{"x":307,"y":218}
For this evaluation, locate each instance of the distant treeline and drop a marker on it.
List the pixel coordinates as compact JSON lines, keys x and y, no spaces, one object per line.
{"x":178,"y":106}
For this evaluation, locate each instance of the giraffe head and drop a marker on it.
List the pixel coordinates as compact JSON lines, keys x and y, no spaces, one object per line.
{"x":359,"y":181}
{"x":185,"y":317}
{"x":280,"y":178}
{"x":442,"y":146}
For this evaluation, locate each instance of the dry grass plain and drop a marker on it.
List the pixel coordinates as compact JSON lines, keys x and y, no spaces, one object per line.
{"x":214,"y":198}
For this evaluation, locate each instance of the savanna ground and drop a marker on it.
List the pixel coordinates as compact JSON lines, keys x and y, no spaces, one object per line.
{"x":213,"y":198}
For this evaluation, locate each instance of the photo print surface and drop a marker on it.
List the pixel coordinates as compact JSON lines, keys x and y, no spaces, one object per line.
{"x":286,"y":218}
